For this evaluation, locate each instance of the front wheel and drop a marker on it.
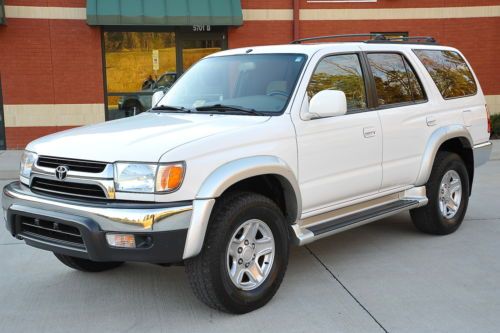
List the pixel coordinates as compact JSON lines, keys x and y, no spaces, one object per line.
{"x":245,"y":254}
{"x":448,"y":193}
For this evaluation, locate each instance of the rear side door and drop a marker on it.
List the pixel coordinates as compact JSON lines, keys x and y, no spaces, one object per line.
{"x":339,"y":157}
{"x":405,"y":115}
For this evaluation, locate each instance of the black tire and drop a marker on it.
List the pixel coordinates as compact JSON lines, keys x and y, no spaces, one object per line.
{"x":429,"y":218}
{"x":86,"y":265}
{"x":207,"y":272}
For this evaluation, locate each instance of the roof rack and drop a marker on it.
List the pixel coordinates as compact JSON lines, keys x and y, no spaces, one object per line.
{"x":375,"y":38}
{"x":409,"y":40}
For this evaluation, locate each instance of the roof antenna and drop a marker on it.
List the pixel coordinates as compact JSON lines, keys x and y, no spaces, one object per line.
{"x":249,"y":50}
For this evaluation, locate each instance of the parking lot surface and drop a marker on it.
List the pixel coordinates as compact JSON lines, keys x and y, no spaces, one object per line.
{"x":384,"y":276}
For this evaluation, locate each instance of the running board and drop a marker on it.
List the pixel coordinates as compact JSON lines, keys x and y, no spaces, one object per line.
{"x":310,"y":233}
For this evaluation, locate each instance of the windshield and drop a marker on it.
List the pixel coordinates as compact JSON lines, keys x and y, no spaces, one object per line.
{"x":258,"y":82}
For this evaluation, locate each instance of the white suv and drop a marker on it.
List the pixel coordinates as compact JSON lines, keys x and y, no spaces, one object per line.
{"x":254,"y":149}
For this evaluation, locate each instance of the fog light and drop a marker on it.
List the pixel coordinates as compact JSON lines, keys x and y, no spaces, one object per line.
{"x":121,"y":240}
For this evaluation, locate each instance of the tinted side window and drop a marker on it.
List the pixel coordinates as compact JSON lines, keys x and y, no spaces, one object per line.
{"x":416,"y":87}
{"x":449,"y":71}
{"x":391,"y":79}
{"x":340,"y":72}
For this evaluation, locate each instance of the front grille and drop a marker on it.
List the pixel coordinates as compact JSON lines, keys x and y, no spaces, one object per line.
{"x":50,"y":231}
{"x":73,"y":165}
{"x":67,"y":189}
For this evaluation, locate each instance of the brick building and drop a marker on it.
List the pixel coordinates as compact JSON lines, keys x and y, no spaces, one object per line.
{"x":66,"y":63}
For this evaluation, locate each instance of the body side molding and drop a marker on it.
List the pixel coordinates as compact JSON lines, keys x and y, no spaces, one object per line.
{"x":435,"y":141}
{"x":231,"y":173}
{"x":224,"y":177}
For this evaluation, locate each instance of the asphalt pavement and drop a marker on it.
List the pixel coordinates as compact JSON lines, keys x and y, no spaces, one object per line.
{"x":384,"y":276}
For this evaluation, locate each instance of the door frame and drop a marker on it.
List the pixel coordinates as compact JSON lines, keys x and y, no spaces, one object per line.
{"x":2,"y":119}
{"x":181,"y":33}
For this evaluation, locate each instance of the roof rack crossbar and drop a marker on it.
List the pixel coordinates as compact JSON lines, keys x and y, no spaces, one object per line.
{"x":375,"y":37}
{"x":427,"y":39}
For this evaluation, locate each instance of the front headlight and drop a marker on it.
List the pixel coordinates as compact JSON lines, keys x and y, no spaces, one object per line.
{"x":148,"y":178}
{"x":27,"y":160}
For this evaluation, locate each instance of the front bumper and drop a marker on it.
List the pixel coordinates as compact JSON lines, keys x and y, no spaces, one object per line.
{"x":162,"y":227}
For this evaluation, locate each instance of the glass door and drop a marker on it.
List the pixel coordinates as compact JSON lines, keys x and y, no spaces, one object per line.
{"x":196,"y":45}
{"x":137,"y":63}
{"x":140,"y":62}
{"x":3,"y":144}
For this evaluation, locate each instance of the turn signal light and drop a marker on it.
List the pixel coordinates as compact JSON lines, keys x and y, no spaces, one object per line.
{"x":121,"y":240}
{"x":169,"y":177}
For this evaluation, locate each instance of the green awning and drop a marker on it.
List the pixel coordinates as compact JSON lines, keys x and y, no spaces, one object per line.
{"x":2,"y":13}
{"x":164,"y":12}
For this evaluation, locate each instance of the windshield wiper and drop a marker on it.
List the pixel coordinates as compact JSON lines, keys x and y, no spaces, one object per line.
{"x":171,"y":108}
{"x":228,"y":108}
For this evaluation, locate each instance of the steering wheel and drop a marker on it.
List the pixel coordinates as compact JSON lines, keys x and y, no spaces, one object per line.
{"x":277,"y":93}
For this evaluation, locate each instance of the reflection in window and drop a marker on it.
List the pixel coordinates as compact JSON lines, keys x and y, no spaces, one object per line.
{"x":194,"y":50}
{"x":391,"y":79}
{"x":261,"y":82}
{"x":416,"y":87}
{"x":340,"y":72}
{"x":449,"y":71}
{"x":135,"y":62}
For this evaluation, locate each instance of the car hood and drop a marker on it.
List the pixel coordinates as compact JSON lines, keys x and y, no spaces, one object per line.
{"x":143,"y":138}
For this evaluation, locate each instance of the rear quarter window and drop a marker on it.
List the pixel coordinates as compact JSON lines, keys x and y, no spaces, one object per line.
{"x":449,"y":71}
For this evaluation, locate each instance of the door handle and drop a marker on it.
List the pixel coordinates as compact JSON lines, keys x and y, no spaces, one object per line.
{"x":431,"y":121}
{"x":369,"y":132}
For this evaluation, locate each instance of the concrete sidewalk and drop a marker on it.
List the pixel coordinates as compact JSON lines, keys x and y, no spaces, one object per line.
{"x":382,"y":277}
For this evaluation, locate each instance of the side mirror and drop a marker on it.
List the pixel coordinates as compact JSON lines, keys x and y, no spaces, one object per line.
{"x":157,"y":96}
{"x":328,"y":103}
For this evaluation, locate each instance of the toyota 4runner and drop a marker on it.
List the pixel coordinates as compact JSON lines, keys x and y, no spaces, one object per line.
{"x":255,"y":149}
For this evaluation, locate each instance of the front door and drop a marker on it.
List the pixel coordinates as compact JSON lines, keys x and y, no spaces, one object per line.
{"x":340,"y":158}
{"x":3,"y":144}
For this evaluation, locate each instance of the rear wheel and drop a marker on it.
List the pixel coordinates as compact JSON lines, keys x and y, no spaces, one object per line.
{"x":86,"y":265}
{"x":448,"y":193}
{"x":245,"y":254}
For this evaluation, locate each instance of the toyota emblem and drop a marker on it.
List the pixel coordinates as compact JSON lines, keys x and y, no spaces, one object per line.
{"x":61,"y":172}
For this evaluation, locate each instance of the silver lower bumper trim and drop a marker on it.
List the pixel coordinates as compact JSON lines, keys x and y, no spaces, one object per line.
{"x":123,"y":218}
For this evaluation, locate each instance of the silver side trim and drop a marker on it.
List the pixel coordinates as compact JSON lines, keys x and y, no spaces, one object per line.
{"x":437,"y":138}
{"x":232,"y":172}
{"x":304,"y":236}
{"x":198,"y":227}
{"x":482,"y":153}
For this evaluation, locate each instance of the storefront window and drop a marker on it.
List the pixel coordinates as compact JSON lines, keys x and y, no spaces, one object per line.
{"x":135,"y":63}
{"x":140,"y":63}
{"x":194,"y":50}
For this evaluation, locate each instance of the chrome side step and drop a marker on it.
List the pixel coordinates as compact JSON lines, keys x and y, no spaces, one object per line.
{"x":378,"y":211}
{"x":307,"y":233}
